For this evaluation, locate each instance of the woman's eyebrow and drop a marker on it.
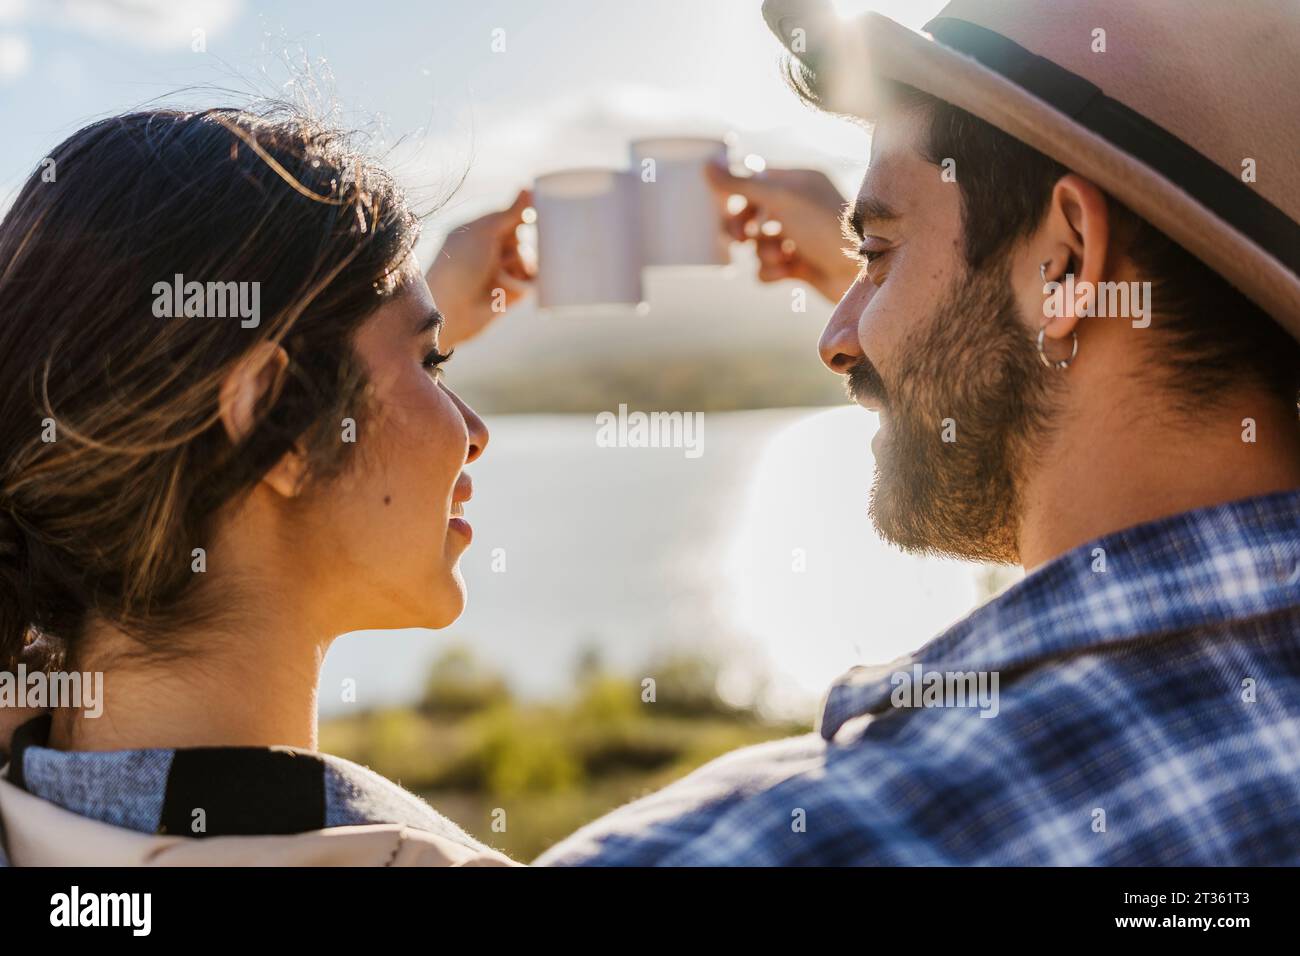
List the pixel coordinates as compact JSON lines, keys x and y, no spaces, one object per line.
{"x":433,"y":320}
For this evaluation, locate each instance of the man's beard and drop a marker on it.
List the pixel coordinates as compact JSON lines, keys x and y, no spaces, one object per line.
{"x":975,"y":363}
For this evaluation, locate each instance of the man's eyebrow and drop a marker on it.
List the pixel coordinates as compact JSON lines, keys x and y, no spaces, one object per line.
{"x":866,"y":209}
{"x":433,"y":320}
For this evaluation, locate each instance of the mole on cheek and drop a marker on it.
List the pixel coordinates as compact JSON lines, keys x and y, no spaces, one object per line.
{"x":388,"y":500}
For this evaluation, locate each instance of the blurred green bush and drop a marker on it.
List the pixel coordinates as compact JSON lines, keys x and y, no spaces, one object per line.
{"x":521,"y":775}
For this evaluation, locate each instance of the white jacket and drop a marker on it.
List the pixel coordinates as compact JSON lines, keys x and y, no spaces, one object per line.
{"x":36,"y":832}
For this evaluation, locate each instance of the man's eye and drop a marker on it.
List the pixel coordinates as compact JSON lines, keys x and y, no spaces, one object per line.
{"x":870,"y":254}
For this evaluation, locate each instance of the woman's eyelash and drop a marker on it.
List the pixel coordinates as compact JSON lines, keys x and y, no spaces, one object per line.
{"x":435,"y":358}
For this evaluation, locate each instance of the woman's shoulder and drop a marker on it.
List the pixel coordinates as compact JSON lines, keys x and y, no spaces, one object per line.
{"x":357,"y":795}
{"x":262,"y":796}
{"x":39,"y":833}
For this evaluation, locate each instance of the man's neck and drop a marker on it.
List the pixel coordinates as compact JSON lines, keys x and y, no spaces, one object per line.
{"x":1121,"y":467}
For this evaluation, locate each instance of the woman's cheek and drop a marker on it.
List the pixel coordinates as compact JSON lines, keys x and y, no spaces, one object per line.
{"x":438,"y":437}
{"x":421,"y":404}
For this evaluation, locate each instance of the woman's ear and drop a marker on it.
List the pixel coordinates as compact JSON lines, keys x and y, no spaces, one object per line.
{"x":252,"y":384}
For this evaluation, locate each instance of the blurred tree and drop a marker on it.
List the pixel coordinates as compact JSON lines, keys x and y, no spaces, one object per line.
{"x":459,"y":684}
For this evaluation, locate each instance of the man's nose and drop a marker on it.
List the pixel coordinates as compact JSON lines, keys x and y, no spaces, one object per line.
{"x":839,"y":346}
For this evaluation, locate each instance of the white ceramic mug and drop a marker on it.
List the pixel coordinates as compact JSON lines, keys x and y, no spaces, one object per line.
{"x":680,"y":215}
{"x":588,"y":239}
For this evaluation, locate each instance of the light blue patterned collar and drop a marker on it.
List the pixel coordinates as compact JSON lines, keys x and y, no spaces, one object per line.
{"x":1224,"y":563}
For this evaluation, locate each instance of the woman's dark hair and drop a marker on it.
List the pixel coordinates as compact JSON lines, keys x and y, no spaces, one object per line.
{"x":113,"y":459}
{"x":1214,"y":336}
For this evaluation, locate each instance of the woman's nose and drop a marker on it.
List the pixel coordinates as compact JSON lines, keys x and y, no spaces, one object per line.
{"x":478,"y":432}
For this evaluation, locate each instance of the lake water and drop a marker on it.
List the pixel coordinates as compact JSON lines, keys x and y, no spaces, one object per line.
{"x":759,"y":552}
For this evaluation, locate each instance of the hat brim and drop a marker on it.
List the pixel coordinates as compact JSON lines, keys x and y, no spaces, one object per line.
{"x":846,"y":59}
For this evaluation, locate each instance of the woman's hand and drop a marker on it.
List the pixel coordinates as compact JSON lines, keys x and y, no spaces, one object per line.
{"x":478,"y":273}
{"x":792,"y":217}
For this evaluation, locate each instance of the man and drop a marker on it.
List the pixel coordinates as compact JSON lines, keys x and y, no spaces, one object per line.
{"x":1076,"y":313}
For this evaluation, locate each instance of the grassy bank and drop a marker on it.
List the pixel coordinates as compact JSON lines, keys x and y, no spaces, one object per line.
{"x":520,"y":775}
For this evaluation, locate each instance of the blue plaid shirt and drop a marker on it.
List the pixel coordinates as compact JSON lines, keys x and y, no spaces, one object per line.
{"x":1147,"y":713}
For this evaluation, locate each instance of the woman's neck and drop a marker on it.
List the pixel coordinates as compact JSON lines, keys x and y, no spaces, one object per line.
{"x":256,"y":688}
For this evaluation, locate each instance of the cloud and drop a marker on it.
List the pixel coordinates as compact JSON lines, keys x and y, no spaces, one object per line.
{"x":12,"y":10}
{"x":15,"y":55}
{"x":151,"y":24}
{"x":504,"y":145}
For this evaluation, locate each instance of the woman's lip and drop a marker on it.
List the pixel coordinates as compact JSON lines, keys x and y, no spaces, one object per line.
{"x":462,"y":526}
{"x":464,"y":489}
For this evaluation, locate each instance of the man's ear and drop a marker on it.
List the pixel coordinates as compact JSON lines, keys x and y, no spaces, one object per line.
{"x":1079,"y":230}
{"x":252,"y":384}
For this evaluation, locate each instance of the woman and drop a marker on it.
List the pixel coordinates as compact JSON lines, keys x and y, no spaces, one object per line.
{"x":224,"y":440}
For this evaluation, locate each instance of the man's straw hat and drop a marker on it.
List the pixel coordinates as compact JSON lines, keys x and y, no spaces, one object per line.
{"x":1186,"y":111}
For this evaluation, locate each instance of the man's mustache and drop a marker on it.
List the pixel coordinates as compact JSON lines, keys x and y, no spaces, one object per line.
{"x":864,"y":384}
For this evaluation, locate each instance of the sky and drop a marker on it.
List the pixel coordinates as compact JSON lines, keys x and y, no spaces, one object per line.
{"x":576,"y":80}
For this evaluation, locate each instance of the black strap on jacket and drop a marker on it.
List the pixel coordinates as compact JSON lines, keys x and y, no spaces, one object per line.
{"x":241,"y":791}
{"x":1223,"y":193}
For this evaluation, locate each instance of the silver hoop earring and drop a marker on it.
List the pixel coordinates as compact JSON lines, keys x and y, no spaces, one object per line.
{"x":1058,"y":364}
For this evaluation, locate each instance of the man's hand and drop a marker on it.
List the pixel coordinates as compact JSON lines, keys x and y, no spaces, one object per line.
{"x":792,"y":217}
{"x":477,"y":259}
